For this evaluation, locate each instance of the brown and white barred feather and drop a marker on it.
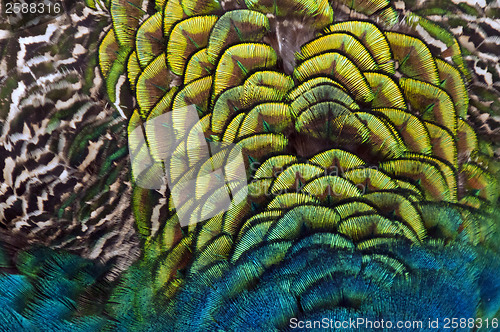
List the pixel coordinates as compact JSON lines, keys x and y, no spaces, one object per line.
{"x":50,"y":196}
{"x":476,"y":26}
{"x":63,"y":150}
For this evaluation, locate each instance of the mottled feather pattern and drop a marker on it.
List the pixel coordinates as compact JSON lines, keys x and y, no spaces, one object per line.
{"x":60,"y":141}
{"x":476,"y":27}
{"x":367,"y":131}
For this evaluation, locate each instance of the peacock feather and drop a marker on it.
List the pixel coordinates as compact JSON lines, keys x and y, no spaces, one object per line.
{"x":64,"y":179}
{"x":370,"y":181}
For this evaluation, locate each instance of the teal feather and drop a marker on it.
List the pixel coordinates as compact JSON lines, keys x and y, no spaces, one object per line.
{"x":404,"y":227}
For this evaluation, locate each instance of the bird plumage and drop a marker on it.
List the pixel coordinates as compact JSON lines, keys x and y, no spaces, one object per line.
{"x":61,"y":145}
{"x":371,"y":191}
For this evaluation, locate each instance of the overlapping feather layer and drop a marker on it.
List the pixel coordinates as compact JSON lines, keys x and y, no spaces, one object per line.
{"x":369,"y":194}
{"x":355,"y":142}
